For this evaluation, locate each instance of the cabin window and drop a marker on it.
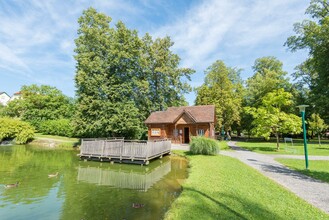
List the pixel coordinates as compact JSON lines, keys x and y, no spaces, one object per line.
{"x":175,"y":132}
{"x":200,"y":132}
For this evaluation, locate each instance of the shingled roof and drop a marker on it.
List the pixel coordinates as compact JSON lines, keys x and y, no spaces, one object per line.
{"x":198,"y":114}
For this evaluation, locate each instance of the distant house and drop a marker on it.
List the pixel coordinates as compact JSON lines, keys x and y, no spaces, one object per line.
{"x":17,"y":95}
{"x":180,"y":123}
{"x":4,"y":98}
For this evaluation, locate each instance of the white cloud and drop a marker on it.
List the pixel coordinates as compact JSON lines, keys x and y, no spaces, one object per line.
{"x":208,"y":29}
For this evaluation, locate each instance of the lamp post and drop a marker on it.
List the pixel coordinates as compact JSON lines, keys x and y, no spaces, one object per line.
{"x":302,"y":111}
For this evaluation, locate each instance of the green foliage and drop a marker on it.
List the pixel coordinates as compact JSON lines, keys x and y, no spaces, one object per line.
{"x":121,"y":78}
{"x":60,"y":127}
{"x":203,"y":145}
{"x":313,"y":35}
{"x":40,"y":103}
{"x":270,"y":117}
{"x":268,"y":76}
{"x":316,"y":124}
{"x":21,"y":131}
{"x":222,"y":88}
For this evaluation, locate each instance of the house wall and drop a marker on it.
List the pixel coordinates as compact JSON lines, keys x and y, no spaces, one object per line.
{"x":4,"y":98}
{"x":167,"y":131}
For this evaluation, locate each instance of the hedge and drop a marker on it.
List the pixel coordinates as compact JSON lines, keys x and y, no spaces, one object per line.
{"x":20,"y":131}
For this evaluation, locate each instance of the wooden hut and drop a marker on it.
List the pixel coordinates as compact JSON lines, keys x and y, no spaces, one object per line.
{"x":181,"y":123}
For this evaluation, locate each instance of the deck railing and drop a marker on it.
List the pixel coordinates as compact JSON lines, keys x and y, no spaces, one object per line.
{"x":121,"y":149}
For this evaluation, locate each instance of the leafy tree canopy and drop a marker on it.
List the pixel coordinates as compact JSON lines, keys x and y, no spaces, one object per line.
{"x":222,"y":88}
{"x":313,"y":35}
{"x":268,"y":76}
{"x":121,"y":78}
{"x":269,"y":118}
{"x":40,"y":103}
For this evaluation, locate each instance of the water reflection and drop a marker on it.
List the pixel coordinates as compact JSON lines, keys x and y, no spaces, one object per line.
{"x":84,"y":190}
{"x":139,"y":179}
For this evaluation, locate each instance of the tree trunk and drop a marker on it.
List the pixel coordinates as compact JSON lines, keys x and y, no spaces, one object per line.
{"x":277,"y":141}
{"x":319,"y":139}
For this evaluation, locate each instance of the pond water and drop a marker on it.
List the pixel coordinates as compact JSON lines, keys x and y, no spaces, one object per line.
{"x":85,"y":190}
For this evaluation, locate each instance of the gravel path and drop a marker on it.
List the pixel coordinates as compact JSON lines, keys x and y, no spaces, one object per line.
{"x":313,"y":191}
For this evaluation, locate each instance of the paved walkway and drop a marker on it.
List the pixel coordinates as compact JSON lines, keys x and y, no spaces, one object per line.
{"x":313,"y":191}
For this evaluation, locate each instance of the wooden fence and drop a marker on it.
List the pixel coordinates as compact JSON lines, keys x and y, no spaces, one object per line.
{"x":119,"y":150}
{"x":121,"y":179}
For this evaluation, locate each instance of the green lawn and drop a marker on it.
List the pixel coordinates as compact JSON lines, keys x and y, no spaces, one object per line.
{"x":54,"y":137}
{"x":298,"y":148}
{"x":59,"y":141}
{"x":220,"y":187}
{"x":318,"y":169}
{"x":223,"y":145}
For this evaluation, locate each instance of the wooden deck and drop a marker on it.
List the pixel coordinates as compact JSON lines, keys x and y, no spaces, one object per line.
{"x":119,"y":150}
{"x":123,"y":179}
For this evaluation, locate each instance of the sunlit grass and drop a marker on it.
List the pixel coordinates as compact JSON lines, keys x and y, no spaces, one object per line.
{"x":297,"y":148}
{"x":318,"y":169}
{"x":58,"y":138}
{"x":220,"y":187}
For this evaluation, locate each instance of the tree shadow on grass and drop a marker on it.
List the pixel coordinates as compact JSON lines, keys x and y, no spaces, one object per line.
{"x":319,"y":175}
{"x":231,"y":207}
{"x":297,"y":174}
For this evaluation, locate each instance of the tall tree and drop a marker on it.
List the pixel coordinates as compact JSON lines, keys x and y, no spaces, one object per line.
{"x":313,"y":35}
{"x":222,"y":87}
{"x":165,"y":78}
{"x":106,"y":60}
{"x":268,"y":76}
{"x":117,"y":72}
{"x":270,"y":116}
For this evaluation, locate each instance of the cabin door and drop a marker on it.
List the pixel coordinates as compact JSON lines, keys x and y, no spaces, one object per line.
{"x":186,"y":135}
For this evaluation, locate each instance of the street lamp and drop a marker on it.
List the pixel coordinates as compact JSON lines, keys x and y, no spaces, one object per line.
{"x":302,"y":110}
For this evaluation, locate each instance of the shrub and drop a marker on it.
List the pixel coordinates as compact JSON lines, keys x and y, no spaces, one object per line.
{"x":60,"y":127}
{"x":20,"y":131}
{"x":203,"y":145}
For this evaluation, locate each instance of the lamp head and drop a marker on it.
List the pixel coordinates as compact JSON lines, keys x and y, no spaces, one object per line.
{"x":302,"y":107}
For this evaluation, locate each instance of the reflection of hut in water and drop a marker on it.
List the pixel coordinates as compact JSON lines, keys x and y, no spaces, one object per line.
{"x":127,"y":179}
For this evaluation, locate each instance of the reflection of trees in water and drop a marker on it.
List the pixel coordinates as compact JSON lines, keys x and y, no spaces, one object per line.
{"x":124,"y":179}
{"x":81,"y":200}
{"x":31,"y":168}
{"x":99,"y":201}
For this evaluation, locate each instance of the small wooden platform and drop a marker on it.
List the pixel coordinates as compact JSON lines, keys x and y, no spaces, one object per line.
{"x":119,"y":150}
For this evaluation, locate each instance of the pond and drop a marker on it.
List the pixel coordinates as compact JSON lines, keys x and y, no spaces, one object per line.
{"x":85,"y":190}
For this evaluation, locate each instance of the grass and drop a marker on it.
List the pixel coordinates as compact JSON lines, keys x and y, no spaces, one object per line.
{"x":53,"y":140}
{"x":54,"y":137}
{"x":318,"y":169}
{"x":298,"y":148}
{"x":220,"y":187}
{"x":223,"y":145}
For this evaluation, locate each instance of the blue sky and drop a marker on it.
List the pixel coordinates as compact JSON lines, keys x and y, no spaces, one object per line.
{"x":37,"y":37}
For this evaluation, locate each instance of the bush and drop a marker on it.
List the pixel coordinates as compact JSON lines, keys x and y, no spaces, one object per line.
{"x":20,"y":131}
{"x":60,"y":127}
{"x":203,"y":145}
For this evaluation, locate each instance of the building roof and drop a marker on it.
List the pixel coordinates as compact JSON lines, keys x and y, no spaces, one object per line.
{"x":198,"y":114}
{"x":4,"y":93}
{"x":18,"y":93}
